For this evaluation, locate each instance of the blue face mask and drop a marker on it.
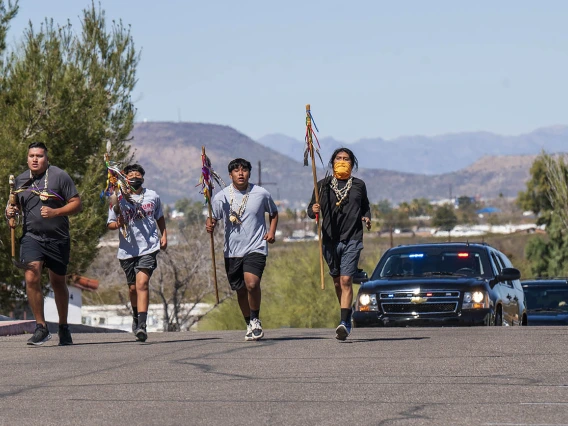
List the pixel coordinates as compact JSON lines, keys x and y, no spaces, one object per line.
{"x":135,"y":183}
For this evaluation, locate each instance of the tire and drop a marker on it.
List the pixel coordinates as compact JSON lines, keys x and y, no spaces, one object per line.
{"x":499,"y":317}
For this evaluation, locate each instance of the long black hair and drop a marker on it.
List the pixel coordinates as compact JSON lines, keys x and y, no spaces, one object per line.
{"x":354,"y":162}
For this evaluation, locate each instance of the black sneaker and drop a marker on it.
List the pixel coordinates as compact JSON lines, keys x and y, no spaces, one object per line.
{"x":64,"y":335}
{"x":40,"y":336}
{"x":141,"y":334}
{"x":134,"y":324}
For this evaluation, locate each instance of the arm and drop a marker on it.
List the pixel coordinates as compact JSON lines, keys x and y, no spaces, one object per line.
{"x":72,"y":207}
{"x":365,"y":208}
{"x":271,"y":235}
{"x":164,"y":239}
{"x":313,"y":208}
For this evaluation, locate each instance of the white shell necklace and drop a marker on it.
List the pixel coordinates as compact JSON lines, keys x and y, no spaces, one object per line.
{"x":44,"y":194}
{"x":235,"y":216}
{"x":341,"y":194}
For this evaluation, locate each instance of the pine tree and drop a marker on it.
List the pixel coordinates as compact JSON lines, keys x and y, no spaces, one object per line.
{"x":71,"y":91}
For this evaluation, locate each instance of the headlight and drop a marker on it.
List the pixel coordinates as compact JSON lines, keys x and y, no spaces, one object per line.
{"x":475,"y":300}
{"x":478,"y":296}
{"x":367,"y":302}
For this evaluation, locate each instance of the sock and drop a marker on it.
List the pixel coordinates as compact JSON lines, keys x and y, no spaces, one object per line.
{"x":254,"y":314}
{"x":142,"y":318}
{"x":135,"y":312}
{"x":346,"y":315}
{"x":247,"y":320}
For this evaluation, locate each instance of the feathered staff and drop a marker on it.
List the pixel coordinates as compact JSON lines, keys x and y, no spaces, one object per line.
{"x":116,"y":183}
{"x":15,"y":221}
{"x":311,"y":151}
{"x":207,"y":186}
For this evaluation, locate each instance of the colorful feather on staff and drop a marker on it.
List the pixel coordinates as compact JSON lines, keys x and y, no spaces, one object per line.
{"x":207,"y":179}
{"x":310,"y":135}
{"x":208,"y":175}
{"x":117,"y":183}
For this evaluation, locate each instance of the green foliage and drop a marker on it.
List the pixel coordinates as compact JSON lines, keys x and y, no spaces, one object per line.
{"x":535,"y":198}
{"x":445,"y":218}
{"x":192,"y":211}
{"x":72,"y":92}
{"x":544,"y":195}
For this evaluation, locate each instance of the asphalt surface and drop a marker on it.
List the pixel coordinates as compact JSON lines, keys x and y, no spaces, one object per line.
{"x":410,"y":376}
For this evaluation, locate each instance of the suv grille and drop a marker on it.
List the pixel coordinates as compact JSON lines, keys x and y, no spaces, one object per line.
{"x":426,"y":308}
{"x":425,"y":302}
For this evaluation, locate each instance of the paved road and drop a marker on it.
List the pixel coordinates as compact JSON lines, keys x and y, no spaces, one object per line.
{"x":417,"y":376}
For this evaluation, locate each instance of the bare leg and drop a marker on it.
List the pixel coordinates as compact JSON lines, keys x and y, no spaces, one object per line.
{"x":61,"y":293}
{"x":242,"y":297}
{"x":252,"y":284}
{"x":132,"y":295}
{"x":346,"y":284}
{"x":33,"y":290}
{"x":337,"y":284}
{"x":142,"y":281}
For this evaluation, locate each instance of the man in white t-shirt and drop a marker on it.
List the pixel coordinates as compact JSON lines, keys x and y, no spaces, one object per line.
{"x":243,"y":206}
{"x":139,"y":246}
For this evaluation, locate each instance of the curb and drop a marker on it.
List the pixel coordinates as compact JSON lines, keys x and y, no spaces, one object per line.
{"x":11,"y":328}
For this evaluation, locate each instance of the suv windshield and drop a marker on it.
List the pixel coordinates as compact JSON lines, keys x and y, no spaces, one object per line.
{"x":540,"y":298}
{"x":433,"y":262}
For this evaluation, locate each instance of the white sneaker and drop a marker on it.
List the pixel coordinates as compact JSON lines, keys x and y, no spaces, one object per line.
{"x":256,"y":327}
{"x":248,"y":336}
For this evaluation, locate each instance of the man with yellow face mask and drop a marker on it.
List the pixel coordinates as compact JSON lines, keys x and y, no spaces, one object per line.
{"x":344,"y":208}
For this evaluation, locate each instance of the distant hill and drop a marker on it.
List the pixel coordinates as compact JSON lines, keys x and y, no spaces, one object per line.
{"x":171,"y":155}
{"x":431,"y":155}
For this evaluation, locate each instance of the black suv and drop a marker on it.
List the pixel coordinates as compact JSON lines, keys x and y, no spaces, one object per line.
{"x":441,"y":284}
{"x":547,"y":301}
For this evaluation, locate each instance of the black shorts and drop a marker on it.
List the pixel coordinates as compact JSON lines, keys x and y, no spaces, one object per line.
{"x":133,"y":265}
{"x":343,"y":257}
{"x":53,"y":253}
{"x":236,"y":267}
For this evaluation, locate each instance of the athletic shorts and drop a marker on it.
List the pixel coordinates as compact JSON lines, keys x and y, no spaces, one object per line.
{"x":54,"y":253}
{"x":236,"y":267}
{"x":133,"y":265}
{"x":343,"y":257}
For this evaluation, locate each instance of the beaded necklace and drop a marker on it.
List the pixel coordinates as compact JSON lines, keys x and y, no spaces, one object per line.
{"x":341,"y":194}
{"x":235,"y":216}
{"x":44,"y":194}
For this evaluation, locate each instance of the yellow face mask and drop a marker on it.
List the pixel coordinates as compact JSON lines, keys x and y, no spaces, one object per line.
{"x":342,"y":169}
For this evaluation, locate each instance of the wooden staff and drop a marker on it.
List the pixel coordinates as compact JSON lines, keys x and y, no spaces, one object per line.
{"x":316,"y":191}
{"x":13,"y":201}
{"x":208,"y":198}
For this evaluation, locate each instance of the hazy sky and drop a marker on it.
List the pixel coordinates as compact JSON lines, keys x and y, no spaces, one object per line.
{"x":368,"y":68}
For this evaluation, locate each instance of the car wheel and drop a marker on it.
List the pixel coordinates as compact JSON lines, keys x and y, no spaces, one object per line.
{"x":499,"y":317}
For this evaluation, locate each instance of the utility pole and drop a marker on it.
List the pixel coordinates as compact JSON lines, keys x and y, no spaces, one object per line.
{"x":260,"y":183}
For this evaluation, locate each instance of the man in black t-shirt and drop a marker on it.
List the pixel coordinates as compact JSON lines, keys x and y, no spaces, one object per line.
{"x":46,"y":196}
{"x":344,"y":207}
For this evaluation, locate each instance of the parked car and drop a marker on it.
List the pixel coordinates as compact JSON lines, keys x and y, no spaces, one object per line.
{"x":547,"y":301}
{"x":441,"y":284}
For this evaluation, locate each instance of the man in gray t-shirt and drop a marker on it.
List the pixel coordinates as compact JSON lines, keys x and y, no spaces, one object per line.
{"x":140,"y":217}
{"x":46,"y":196}
{"x":242,"y":207}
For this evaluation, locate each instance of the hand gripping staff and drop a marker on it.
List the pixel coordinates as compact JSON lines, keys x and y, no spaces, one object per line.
{"x":207,"y":186}
{"x":310,"y":151}
{"x":13,"y":222}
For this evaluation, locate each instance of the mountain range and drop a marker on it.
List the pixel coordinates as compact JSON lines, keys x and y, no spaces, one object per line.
{"x":431,"y":155}
{"x":171,"y":154}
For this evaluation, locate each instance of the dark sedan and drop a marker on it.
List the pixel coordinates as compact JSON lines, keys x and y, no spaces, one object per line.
{"x":441,"y":284}
{"x":547,"y":301}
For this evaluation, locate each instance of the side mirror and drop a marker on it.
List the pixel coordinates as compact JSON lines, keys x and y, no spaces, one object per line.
{"x":360,"y":277}
{"x":507,"y":274}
